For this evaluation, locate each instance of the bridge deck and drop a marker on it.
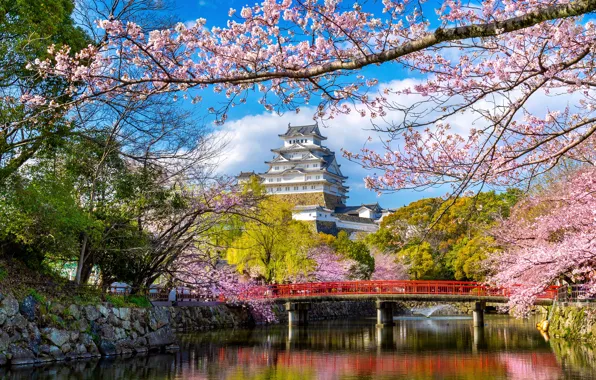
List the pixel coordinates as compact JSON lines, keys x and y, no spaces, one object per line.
{"x":393,"y":290}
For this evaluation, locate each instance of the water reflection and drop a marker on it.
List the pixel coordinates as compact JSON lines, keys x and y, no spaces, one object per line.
{"x":415,"y":348}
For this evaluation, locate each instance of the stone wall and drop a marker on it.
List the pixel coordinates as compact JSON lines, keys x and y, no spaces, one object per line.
{"x":35,"y":332}
{"x":309,"y":199}
{"x":209,"y":317}
{"x":331,"y":310}
{"x":573,"y":321}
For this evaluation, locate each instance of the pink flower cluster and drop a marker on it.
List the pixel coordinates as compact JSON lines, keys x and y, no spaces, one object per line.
{"x":550,"y":237}
{"x":294,"y":52}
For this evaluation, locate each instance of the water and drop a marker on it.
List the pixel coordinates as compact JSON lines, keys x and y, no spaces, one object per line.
{"x":416,"y":348}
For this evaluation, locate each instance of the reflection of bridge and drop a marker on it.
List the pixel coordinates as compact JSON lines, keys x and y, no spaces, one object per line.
{"x":301,"y":364}
{"x":299,"y":296}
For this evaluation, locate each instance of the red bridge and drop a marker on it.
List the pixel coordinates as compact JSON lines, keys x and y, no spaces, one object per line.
{"x":298,"y":297}
{"x":390,"y":290}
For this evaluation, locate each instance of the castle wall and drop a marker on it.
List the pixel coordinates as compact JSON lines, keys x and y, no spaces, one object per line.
{"x":309,"y":199}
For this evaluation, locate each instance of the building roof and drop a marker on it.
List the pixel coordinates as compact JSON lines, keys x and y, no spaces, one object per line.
{"x":311,"y":208}
{"x":355,"y":219}
{"x":346,"y":209}
{"x":303,"y":130}
{"x":246,"y":174}
{"x":297,"y":147}
{"x":370,"y":206}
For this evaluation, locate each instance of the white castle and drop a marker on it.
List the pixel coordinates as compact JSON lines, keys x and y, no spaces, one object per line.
{"x":306,"y":173}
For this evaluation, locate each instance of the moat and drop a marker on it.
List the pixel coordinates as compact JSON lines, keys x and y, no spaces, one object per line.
{"x":416,"y":348}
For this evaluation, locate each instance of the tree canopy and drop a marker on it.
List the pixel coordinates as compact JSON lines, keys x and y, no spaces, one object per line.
{"x":440,"y":240}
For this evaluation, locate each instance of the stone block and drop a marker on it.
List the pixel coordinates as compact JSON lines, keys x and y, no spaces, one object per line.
{"x":20,"y":355}
{"x":160,"y":338}
{"x":92,"y":313}
{"x":4,"y":341}
{"x":28,"y":308}
{"x":57,"y":337}
{"x":10,"y":305}
{"x":107,"y":348}
{"x":74,"y":311}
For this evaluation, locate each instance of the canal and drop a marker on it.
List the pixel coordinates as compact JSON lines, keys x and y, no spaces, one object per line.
{"x":415,"y":348}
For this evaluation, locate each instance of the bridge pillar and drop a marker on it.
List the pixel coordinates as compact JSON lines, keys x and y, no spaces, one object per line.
{"x":297,"y":313}
{"x":478,"y":314}
{"x":384,"y":313}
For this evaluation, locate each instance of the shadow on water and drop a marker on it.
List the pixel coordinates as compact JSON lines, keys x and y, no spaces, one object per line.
{"x":415,"y":348}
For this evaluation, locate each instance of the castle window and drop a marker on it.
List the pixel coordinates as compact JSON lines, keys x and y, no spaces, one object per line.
{"x":287,"y":188}
{"x":277,"y":168}
{"x":295,"y":187}
{"x":312,"y":187}
{"x":307,"y":177}
{"x":270,"y":180}
{"x":279,"y":189}
{"x":303,"y":187}
{"x":318,"y":177}
{"x":279,"y":180}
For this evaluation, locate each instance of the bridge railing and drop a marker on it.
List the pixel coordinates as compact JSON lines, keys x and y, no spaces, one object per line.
{"x":412,"y":287}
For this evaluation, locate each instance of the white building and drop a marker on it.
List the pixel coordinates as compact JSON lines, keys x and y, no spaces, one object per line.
{"x":306,"y":173}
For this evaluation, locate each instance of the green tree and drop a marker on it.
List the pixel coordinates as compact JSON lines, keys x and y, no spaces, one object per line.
{"x":27,"y":29}
{"x":273,"y":247}
{"x":445,"y":239}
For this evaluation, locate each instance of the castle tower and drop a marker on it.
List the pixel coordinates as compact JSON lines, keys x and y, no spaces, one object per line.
{"x":304,"y":172}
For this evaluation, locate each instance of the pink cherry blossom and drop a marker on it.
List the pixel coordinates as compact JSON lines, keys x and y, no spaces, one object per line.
{"x":489,"y":59}
{"x":550,"y":237}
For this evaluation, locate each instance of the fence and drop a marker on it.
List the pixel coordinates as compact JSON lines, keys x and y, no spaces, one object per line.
{"x":575,"y":293}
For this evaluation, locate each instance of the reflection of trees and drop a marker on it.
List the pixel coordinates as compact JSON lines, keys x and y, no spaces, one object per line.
{"x":500,"y":334}
{"x":580,"y":359}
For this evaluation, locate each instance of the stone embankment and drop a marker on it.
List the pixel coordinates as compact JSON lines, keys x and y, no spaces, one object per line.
{"x":573,"y":321}
{"x":35,"y":332}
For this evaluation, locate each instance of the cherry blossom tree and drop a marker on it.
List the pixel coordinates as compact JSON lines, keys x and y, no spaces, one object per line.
{"x":180,"y":225}
{"x":550,"y":237}
{"x":388,"y":268}
{"x":216,"y":280}
{"x":328,"y":265}
{"x":488,"y":60}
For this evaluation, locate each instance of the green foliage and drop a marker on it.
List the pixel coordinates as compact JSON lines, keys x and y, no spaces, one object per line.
{"x":355,"y":250}
{"x":38,"y":297}
{"x":128,"y":301}
{"x":116,"y":300}
{"x":139,"y":301}
{"x":440,"y":239}
{"x":274,"y":247}
{"x":41,"y":217}
{"x":28,"y":28}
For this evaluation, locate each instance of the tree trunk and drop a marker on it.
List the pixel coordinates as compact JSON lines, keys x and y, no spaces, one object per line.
{"x":82,"y":259}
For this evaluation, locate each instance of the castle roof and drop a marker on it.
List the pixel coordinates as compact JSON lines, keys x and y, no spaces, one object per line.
{"x":246,"y":174}
{"x":298,"y":147}
{"x":356,"y":219}
{"x":370,"y":206}
{"x":303,"y":130}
